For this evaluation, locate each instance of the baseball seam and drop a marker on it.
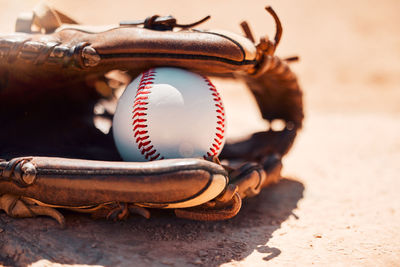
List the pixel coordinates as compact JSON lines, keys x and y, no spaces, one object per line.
{"x":220,"y":128}
{"x":139,"y":114}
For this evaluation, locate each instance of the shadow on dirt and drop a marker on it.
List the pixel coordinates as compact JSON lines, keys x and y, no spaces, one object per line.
{"x":162,"y":240}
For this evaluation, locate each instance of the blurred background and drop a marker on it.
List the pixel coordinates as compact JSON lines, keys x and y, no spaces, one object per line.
{"x":348,"y":154}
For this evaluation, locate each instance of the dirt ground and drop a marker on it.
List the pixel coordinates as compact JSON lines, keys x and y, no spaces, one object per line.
{"x":339,"y":203}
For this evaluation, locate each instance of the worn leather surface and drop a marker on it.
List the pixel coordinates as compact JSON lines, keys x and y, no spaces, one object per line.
{"x":54,"y":60}
{"x":71,"y":182}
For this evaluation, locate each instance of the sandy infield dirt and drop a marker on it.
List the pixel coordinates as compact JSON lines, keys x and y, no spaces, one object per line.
{"x":339,"y":203}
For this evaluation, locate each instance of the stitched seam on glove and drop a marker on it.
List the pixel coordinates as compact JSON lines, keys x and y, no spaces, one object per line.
{"x":177,"y":56}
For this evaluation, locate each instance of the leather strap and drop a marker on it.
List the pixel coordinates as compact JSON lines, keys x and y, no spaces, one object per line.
{"x":173,"y":183}
{"x":42,"y":18}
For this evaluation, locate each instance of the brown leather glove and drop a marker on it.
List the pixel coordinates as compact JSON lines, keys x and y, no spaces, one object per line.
{"x":52,"y":81}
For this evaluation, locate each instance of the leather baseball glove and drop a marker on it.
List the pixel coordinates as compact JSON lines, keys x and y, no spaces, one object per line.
{"x":58,"y":77}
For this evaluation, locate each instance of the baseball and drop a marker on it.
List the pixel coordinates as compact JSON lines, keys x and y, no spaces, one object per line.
{"x":169,"y":113}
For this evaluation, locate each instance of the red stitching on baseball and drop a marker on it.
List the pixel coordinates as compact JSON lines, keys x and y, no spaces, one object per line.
{"x":156,"y":156}
{"x":141,"y":97}
{"x":140,"y":103}
{"x":142,"y":138}
{"x":140,"y":133}
{"x":217,"y":141}
{"x":144,"y":145}
{"x":143,"y":92}
{"x":139,"y":109}
{"x":139,"y":114}
{"x":147,"y":149}
{"x":219,"y":134}
{"x":139,"y":123}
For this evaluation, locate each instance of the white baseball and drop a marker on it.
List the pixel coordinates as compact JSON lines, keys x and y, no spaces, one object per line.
{"x":169,"y":113}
